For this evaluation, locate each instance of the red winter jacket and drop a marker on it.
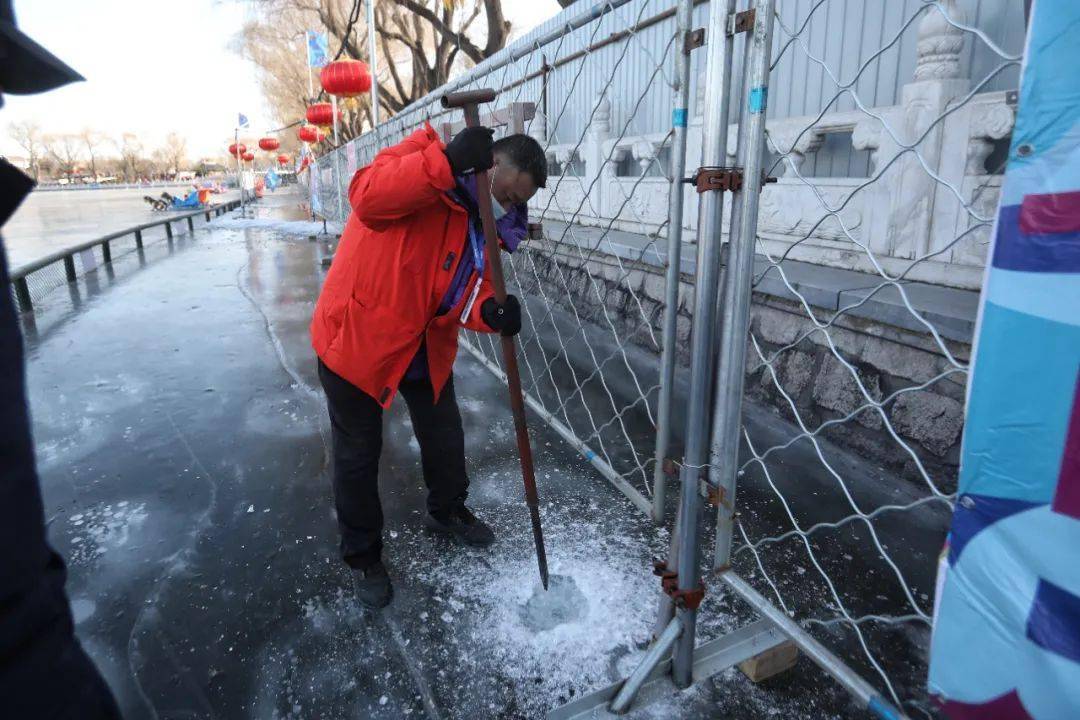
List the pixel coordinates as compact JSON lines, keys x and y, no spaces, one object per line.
{"x":397,"y":256}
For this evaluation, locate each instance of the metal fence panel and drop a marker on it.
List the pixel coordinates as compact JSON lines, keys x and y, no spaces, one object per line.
{"x":865,"y":91}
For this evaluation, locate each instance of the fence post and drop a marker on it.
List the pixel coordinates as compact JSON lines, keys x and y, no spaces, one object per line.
{"x":710,"y":222}
{"x":69,"y":268}
{"x":190,"y":224}
{"x":106,"y":252}
{"x":168,"y":229}
{"x":138,"y":238}
{"x":22,"y":294}
{"x":683,"y":18}
{"x":735,"y":318}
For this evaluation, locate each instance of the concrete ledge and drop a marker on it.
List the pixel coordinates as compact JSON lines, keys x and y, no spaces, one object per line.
{"x":951,"y":311}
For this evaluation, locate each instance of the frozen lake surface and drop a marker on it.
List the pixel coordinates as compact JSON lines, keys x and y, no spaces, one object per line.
{"x":50,"y":220}
{"x":182,"y":441}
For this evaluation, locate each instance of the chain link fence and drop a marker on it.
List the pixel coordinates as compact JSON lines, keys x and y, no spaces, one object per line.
{"x":818,"y":402}
{"x":845,"y":554}
{"x":588,"y":369}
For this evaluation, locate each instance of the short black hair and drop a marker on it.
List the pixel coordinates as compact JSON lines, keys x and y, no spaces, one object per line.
{"x":525,"y":154}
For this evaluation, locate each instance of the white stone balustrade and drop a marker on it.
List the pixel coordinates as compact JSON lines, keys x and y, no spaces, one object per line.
{"x":928,"y":196}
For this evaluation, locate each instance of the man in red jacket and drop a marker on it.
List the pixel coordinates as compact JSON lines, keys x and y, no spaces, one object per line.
{"x":409,"y":272}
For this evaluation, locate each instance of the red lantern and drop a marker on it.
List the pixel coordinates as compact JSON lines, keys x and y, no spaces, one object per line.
{"x":237,"y":149}
{"x":269,"y":144}
{"x":322,"y":114}
{"x":345,"y":78}
{"x":308,"y":133}
{"x":249,"y":156}
{"x":282,"y":159}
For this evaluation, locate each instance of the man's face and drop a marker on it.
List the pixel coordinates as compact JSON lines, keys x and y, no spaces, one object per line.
{"x":509,"y":185}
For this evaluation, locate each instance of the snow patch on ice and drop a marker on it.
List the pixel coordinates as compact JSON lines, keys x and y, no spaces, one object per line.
{"x":473,"y":405}
{"x":602,"y":608}
{"x":286,"y":227}
{"x":101,"y":529}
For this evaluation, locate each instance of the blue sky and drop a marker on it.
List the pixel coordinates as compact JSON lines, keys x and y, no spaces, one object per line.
{"x":154,"y":66}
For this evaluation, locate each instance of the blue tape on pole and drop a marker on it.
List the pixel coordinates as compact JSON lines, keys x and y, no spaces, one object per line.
{"x":589,"y":454}
{"x":759,"y":98}
{"x":882,"y":709}
{"x":678,"y":117}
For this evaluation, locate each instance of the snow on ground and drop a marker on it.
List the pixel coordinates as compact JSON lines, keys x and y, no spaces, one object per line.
{"x":484,"y":598}
{"x":285,"y":227}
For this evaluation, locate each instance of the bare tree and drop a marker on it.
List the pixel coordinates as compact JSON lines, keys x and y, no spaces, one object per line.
{"x":421,"y":44}
{"x":92,"y":140}
{"x":131,"y":156}
{"x":174,"y":152}
{"x":28,"y":136}
{"x":278,"y":49}
{"x":66,"y":152}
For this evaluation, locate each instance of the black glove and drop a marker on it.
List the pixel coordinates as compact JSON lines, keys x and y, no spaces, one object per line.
{"x":505,"y":318}
{"x":470,"y":150}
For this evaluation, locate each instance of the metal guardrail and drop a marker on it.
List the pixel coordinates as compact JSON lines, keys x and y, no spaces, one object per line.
{"x":67,"y":255}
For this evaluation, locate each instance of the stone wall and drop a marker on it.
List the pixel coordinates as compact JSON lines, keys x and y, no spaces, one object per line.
{"x":887,"y":359}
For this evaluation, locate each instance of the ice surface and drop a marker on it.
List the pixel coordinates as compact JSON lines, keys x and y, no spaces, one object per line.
{"x":561,"y":603}
{"x":285,"y":227}
{"x":256,"y":604}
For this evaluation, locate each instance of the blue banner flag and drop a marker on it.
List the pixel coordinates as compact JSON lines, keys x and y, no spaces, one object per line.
{"x":272,"y":179}
{"x":242,"y":121}
{"x":318,"y":48}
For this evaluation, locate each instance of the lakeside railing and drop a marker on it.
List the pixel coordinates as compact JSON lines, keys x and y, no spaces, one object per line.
{"x":229,"y":182}
{"x":33,"y":279}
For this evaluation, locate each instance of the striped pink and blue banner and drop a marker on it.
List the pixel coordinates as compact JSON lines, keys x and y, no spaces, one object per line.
{"x":1006,"y":640}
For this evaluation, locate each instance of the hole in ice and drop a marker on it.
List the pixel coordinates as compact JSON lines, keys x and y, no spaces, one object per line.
{"x":562,"y":603}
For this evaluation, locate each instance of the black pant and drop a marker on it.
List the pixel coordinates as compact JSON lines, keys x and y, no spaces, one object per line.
{"x":356,"y":424}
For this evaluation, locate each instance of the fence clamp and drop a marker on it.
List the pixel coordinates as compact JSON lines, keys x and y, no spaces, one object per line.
{"x":741,"y":22}
{"x":714,"y":494}
{"x":728,"y":179}
{"x":669,"y":583}
{"x":693,"y":40}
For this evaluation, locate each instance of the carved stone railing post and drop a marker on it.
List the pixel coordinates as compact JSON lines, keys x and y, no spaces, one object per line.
{"x":610,"y":195}
{"x":910,"y":189}
{"x":537,"y":127}
{"x":592,"y":153}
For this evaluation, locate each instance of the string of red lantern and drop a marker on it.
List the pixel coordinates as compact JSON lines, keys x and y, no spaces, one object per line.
{"x":346,"y":79}
{"x":322,"y":114}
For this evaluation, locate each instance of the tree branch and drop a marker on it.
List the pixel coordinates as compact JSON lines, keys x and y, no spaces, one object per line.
{"x":445,"y":30}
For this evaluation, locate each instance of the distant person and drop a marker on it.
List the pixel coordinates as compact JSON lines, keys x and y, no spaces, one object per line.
{"x":408,"y":274}
{"x":44,"y":672}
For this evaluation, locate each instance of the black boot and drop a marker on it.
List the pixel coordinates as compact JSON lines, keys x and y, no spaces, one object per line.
{"x":462,"y":524}
{"x":372,"y":586}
